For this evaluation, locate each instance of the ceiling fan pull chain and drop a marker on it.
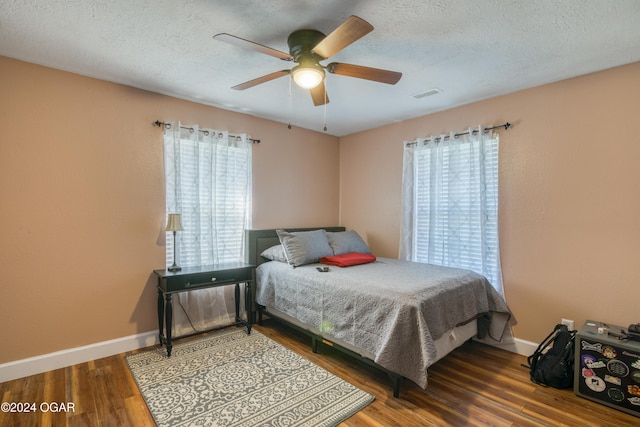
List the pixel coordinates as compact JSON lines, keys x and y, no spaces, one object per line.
{"x":290,"y":104}
{"x":325,"y":106}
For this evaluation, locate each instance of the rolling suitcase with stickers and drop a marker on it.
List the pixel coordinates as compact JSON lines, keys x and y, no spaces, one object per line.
{"x":607,"y":366}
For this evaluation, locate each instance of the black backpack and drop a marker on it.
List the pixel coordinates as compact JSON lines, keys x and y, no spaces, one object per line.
{"x":553,"y":361}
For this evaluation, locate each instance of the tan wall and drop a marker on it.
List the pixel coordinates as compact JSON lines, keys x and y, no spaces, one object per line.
{"x":569,"y":195}
{"x":83,"y":198}
{"x":81,"y":181}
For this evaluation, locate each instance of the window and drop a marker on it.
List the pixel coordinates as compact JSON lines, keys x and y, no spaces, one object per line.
{"x":208,"y":178}
{"x":450,"y":203}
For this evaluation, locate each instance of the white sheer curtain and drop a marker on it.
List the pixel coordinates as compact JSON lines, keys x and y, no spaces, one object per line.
{"x":450,"y":203}
{"x":208,"y":181}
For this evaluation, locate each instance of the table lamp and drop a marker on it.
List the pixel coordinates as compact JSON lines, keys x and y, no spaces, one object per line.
{"x":174,"y":223}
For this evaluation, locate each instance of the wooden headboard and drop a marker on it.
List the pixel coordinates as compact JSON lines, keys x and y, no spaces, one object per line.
{"x":257,"y":241}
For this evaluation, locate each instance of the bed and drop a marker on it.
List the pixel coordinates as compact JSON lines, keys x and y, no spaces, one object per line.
{"x":396,"y":315}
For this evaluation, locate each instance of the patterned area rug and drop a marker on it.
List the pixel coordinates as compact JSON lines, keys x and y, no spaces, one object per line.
{"x":235,"y":379}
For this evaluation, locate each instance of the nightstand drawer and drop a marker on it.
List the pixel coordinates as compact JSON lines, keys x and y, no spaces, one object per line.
{"x":186,"y":280}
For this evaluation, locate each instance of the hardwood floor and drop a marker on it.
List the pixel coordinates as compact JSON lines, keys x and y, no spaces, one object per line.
{"x":474,"y":385}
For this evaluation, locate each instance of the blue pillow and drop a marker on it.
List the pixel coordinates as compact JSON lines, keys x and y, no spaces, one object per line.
{"x":344,"y":242}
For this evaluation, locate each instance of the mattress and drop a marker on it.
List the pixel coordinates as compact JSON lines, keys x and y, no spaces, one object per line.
{"x":402,"y":315}
{"x":448,"y":342}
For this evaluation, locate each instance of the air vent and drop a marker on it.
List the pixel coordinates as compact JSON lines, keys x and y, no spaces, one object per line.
{"x":429,"y":92}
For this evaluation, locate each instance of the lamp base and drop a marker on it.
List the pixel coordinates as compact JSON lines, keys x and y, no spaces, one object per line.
{"x":174,"y":268}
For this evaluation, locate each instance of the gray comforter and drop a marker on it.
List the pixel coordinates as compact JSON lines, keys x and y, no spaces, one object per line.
{"x":392,"y":309}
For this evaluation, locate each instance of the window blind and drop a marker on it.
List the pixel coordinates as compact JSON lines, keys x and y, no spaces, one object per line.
{"x":455,"y":205}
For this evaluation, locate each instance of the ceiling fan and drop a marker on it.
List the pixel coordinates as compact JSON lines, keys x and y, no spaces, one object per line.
{"x":307,"y":48}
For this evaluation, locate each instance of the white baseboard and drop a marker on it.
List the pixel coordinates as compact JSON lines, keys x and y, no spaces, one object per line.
{"x":526,"y":348}
{"x":518,"y":346}
{"x":62,"y":359}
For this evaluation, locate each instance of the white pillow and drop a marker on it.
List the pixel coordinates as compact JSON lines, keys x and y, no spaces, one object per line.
{"x":275,"y":253}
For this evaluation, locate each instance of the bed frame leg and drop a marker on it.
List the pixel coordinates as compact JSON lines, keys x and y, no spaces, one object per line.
{"x":314,"y":344}
{"x":396,"y":384}
{"x":260,"y":310}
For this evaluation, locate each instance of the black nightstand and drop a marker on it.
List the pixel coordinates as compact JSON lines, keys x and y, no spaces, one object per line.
{"x":202,"y":277}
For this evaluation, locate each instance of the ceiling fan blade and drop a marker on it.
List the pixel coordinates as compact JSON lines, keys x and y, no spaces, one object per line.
{"x":260,"y":80}
{"x":368,"y":73}
{"x":348,"y":32}
{"x":237,"y":41}
{"x":319,"y":95}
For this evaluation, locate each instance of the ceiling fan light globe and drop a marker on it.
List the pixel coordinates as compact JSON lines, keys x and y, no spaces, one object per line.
{"x":307,"y":78}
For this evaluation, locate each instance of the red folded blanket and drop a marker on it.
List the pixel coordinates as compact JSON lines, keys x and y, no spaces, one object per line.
{"x":346,"y":260}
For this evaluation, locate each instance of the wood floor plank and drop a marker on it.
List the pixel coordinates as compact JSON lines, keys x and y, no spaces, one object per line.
{"x":499,"y":411}
{"x":475,"y":385}
{"x":137,"y":411}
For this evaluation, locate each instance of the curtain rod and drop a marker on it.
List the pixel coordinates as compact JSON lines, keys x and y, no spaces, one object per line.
{"x":505,"y":126}
{"x":206,"y":132}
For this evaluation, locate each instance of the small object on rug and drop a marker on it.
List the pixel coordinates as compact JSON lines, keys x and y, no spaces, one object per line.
{"x":235,"y":379}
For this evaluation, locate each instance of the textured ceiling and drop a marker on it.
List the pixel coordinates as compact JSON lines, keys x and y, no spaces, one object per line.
{"x":471,"y":50}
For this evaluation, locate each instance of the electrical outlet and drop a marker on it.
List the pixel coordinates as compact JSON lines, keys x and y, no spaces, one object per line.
{"x":570,"y":324}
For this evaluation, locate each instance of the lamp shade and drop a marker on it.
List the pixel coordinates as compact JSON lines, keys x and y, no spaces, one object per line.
{"x":307,"y":77}
{"x":174,"y":222}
